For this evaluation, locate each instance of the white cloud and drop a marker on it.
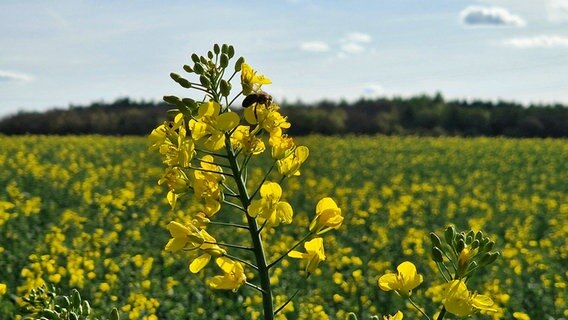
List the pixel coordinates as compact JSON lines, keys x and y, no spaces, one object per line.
{"x":314,"y":46}
{"x":358,"y":37}
{"x":490,"y":16}
{"x":543,"y":41}
{"x":373,"y":90}
{"x":352,"y":48}
{"x":557,"y":10}
{"x":8,"y":76}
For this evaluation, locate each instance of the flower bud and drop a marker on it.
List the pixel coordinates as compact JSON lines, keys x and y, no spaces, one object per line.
{"x":437,"y":254}
{"x":224,"y":48}
{"x":436,"y":242}
{"x":479,"y":235}
{"x":224,"y":61}
{"x":172,"y":100}
{"x":475,"y":244}
{"x":239,"y":63}
{"x":198,"y":68}
{"x":449,"y":235}
{"x":460,"y":245}
{"x":114,"y":315}
{"x":204,"y":81}
{"x":489,"y":246}
{"x":231,"y":52}
{"x":86,"y":308}
{"x":216,"y":48}
{"x":190,"y":103}
{"x":195,"y":58}
{"x":464,"y":257}
{"x":210,"y":55}
{"x":75,"y":299}
{"x":187,"y":68}
{"x":225,"y":88}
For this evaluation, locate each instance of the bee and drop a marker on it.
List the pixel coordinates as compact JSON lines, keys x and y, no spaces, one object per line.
{"x":259,"y":97}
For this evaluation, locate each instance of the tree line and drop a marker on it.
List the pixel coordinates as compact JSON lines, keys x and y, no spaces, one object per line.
{"x":418,"y":115}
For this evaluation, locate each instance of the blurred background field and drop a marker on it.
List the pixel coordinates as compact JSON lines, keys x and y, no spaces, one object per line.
{"x":86,"y":212}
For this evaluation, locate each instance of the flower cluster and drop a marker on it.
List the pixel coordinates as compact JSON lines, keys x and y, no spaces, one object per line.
{"x":466,"y":253}
{"x":207,"y":149}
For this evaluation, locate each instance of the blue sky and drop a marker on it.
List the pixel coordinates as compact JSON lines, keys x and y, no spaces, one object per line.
{"x":56,"y":53}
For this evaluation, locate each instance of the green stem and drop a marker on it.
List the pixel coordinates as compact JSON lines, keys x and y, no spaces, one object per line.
{"x":211,"y":171}
{"x":254,"y":233}
{"x":234,"y":205}
{"x":263,"y":179}
{"x":254,"y":287}
{"x":229,"y":224}
{"x":442,"y":314}
{"x":289,"y":250}
{"x":241,"y":260}
{"x":228,"y":245}
{"x":418,"y":308}
{"x":287,"y":301}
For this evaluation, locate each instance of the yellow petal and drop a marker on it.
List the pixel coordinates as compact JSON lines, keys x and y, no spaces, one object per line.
{"x":255,"y":208}
{"x":324,"y":204}
{"x":225,"y":264}
{"x":314,"y":245}
{"x":199,"y":262}
{"x":175,"y":244}
{"x":285,"y":212}
{"x":271,"y":189}
{"x":227,"y":121}
{"x":296,"y":254}
{"x":302,"y":153}
{"x":178,"y":230}
{"x":389,"y":282}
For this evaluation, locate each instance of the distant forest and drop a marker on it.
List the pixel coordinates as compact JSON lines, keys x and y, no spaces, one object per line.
{"x":419,"y":115}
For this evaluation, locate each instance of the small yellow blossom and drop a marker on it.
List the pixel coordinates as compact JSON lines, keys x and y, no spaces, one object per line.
{"x":212,"y":125}
{"x":3,"y":289}
{"x":182,"y":236}
{"x":234,"y":275}
{"x":314,"y":254}
{"x":397,"y":316}
{"x":290,"y":166}
{"x":328,"y":216}
{"x":461,"y":302}
{"x":404,"y":281}
{"x":269,"y":207}
{"x":250,"y":81}
{"x":211,"y":250}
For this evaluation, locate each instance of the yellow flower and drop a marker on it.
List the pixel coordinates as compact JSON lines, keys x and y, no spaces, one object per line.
{"x":521,"y":316}
{"x":314,"y":254}
{"x":177,"y":183}
{"x":267,"y":117}
{"x":404,"y":281}
{"x":212,"y":125}
{"x":461,"y":302}
{"x":211,"y":250}
{"x":250,"y":81}
{"x":3,"y":289}
{"x":290,"y":166}
{"x":397,"y":316}
{"x":182,"y":236}
{"x":206,"y":185}
{"x":243,"y":139}
{"x":282,"y":145}
{"x":233,"y":277}
{"x":269,"y":207}
{"x":328,"y":216}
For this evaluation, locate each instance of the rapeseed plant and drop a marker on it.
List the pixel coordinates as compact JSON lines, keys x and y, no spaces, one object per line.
{"x":208,"y":150}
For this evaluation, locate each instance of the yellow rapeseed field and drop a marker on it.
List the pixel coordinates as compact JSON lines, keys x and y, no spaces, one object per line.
{"x":87,"y":213}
